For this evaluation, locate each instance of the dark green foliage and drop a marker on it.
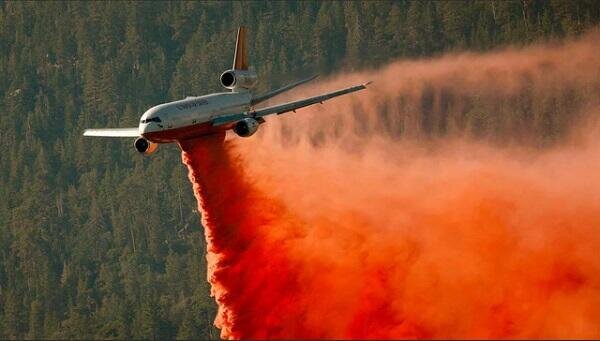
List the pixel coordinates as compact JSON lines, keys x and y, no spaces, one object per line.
{"x":99,"y":242}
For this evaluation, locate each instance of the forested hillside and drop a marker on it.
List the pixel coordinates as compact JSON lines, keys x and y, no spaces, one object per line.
{"x":97,"y":241}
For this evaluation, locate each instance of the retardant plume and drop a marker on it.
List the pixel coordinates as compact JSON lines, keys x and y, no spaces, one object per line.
{"x":329,"y":225}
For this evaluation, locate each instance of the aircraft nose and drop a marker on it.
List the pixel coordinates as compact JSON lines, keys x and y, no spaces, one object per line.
{"x":145,"y":128}
{"x":142,"y":128}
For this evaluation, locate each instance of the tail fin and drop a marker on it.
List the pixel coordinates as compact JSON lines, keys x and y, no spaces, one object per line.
{"x":240,"y":59}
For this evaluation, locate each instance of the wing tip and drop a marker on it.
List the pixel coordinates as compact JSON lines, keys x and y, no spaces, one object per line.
{"x":367,"y":83}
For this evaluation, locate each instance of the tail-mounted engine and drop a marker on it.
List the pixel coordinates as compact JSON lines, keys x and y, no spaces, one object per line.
{"x":144,"y":146}
{"x":236,"y":79}
{"x":246,"y":127}
{"x":239,"y":77}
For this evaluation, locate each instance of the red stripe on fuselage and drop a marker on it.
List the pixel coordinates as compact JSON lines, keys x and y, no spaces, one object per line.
{"x":183,"y":133}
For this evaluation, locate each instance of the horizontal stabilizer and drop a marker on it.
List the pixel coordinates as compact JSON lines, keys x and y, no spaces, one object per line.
{"x":113,"y":132}
{"x":274,"y":93}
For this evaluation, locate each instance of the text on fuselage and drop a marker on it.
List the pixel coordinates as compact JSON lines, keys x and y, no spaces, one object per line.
{"x":192,"y":104}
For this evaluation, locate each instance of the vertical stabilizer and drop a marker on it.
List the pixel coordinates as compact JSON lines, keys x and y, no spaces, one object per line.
{"x":240,"y":59}
{"x":239,"y":78}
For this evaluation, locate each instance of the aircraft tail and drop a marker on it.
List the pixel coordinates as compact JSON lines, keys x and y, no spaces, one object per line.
{"x":239,"y":78}
{"x":240,"y":59}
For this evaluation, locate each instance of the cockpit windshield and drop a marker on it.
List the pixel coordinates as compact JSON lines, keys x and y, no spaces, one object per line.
{"x":153,"y":119}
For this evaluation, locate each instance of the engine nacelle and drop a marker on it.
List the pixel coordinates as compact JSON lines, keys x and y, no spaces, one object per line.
{"x":233,"y":79}
{"x":144,"y":146}
{"x":246,"y":127}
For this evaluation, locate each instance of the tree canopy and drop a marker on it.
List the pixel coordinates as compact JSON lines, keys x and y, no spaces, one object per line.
{"x":99,"y":242}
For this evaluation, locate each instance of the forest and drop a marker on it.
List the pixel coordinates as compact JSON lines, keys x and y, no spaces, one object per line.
{"x":98,"y":242}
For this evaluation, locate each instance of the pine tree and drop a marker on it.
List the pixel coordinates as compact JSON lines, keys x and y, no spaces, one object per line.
{"x":36,"y":321}
{"x":13,"y":316}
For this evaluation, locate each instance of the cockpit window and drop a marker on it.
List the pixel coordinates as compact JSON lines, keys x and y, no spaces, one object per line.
{"x":153,"y":119}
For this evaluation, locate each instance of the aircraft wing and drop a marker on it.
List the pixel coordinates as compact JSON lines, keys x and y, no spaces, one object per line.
{"x":113,"y":132}
{"x":286,"y":107}
{"x":262,"y":98}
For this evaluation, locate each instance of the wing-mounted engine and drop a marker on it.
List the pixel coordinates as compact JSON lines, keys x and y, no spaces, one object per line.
{"x":239,"y":79}
{"x":246,"y":127}
{"x":144,"y":146}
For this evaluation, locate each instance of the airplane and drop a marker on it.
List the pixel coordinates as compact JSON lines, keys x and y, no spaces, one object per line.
{"x":194,"y":117}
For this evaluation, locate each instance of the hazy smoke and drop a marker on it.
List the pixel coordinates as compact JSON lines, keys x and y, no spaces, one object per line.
{"x":329,"y":224}
{"x":517,"y":94}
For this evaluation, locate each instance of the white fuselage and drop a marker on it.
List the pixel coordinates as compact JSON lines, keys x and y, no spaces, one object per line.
{"x":191,"y":117}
